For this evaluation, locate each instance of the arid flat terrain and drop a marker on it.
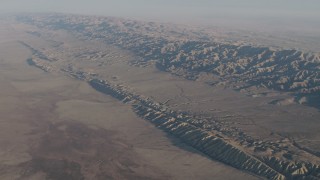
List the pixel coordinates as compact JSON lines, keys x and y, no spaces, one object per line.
{"x":56,"y":127}
{"x":86,"y":97}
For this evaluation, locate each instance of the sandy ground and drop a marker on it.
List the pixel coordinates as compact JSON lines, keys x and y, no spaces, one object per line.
{"x":55,"y":127}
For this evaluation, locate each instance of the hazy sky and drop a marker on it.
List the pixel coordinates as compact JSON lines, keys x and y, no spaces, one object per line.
{"x":295,"y":13}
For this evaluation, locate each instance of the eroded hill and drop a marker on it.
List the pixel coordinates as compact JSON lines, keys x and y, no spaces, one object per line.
{"x":189,"y":53}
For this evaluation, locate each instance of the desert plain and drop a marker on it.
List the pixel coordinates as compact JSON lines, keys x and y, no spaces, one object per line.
{"x":56,"y":124}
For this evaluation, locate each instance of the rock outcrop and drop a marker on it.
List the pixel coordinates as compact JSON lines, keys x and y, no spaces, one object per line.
{"x":188,"y":53}
{"x":207,"y":142}
{"x":217,"y":140}
{"x":243,"y":66}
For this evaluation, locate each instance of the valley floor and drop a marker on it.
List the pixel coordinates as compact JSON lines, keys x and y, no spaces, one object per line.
{"x":56,"y":127}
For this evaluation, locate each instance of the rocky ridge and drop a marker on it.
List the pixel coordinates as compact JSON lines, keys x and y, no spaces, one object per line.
{"x":188,"y":54}
{"x":213,"y":143}
{"x":217,"y":140}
